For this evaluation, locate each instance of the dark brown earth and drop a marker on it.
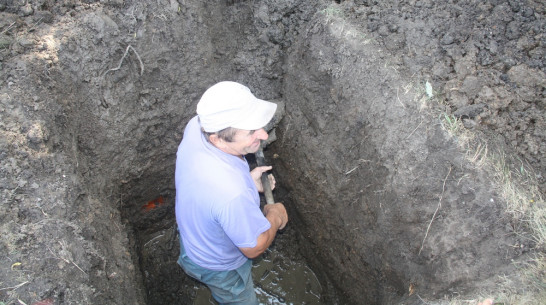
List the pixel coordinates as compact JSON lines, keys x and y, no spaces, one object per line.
{"x":386,"y":205}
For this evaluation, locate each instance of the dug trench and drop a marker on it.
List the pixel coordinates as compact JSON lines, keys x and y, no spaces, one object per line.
{"x":386,"y":205}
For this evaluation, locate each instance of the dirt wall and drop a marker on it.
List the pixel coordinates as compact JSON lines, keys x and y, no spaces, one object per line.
{"x":95,"y":97}
{"x":403,"y":208}
{"x":367,"y":166}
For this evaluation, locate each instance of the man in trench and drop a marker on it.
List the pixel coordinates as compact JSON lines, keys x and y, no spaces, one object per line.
{"x":217,"y":202}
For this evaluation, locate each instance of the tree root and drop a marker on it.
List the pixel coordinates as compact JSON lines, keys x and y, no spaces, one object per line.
{"x":129,"y":47}
{"x":435,"y":212}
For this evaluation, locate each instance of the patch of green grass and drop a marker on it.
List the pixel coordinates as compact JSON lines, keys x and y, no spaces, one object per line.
{"x":331,"y":12}
{"x":452,"y":124}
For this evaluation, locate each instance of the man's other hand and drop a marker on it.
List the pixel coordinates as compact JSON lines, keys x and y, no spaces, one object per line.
{"x":276,"y":210}
{"x":256,"y":175}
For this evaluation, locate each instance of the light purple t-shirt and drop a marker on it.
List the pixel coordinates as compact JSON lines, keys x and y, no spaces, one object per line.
{"x":217,"y":203}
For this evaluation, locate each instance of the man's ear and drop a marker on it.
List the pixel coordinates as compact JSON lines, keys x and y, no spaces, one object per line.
{"x":215,"y":140}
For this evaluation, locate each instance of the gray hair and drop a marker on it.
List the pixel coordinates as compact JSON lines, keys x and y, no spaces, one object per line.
{"x":226,"y":134}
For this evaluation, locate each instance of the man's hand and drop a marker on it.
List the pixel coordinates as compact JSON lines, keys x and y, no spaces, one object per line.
{"x":256,"y":175}
{"x":276,"y":212}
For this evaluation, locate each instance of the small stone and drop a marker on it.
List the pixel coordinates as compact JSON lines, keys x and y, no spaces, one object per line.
{"x":43,"y":16}
{"x":458,"y":99}
{"x":383,"y":30}
{"x":21,"y":183}
{"x":469,"y":124}
{"x":26,"y":43}
{"x":5,"y":42}
{"x":447,"y":39}
{"x":470,"y":111}
{"x":528,"y":12}
{"x":26,"y":10}
{"x":471,"y":86}
{"x":37,"y":134}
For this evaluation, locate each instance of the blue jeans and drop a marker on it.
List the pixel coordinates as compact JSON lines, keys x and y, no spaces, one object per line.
{"x":227,"y":287}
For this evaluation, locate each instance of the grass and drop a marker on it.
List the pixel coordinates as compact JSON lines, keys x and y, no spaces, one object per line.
{"x":331,"y":11}
{"x":452,"y":124}
{"x":518,"y":186}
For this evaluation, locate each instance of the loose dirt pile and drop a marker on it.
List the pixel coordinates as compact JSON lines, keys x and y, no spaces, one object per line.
{"x":387,"y":203}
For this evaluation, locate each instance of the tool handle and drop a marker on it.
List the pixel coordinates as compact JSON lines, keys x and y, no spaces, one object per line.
{"x":260,"y":159}
{"x":267,"y":189}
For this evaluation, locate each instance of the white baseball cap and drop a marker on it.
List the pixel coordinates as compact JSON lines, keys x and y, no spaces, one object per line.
{"x":230,"y":104}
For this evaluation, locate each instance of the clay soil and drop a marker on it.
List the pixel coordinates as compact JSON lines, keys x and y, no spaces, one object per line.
{"x":388,"y":204}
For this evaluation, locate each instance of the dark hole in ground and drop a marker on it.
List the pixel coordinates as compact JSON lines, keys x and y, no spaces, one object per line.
{"x":281,"y":275}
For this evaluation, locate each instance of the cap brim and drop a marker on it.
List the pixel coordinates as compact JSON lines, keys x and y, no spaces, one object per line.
{"x":257,"y":116}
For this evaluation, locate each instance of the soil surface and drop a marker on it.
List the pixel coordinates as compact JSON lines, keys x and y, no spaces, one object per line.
{"x":385,"y":205}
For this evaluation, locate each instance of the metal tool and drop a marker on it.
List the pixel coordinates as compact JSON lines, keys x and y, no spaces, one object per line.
{"x":260,"y":159}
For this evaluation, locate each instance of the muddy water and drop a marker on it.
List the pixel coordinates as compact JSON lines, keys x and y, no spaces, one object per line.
{"x":277,"y":280}
{"x":281,"y":275}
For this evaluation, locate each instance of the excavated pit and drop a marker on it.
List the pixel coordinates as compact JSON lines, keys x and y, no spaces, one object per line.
{"x":281,"y":274}
{"x":384,"y":205}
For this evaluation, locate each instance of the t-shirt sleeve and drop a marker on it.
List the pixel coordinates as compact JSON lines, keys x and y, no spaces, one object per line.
{"x":242,"y":220}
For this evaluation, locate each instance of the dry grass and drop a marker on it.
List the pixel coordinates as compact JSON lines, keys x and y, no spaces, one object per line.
{"x":520,"y":189}
{"x":517,"y":185}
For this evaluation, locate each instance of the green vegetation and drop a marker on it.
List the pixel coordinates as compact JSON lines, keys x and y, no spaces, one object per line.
{"x":331,"y":12}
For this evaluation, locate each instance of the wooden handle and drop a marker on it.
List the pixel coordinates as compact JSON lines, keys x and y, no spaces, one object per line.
{"x":267,"y":189}
{"x":260,"y":159}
